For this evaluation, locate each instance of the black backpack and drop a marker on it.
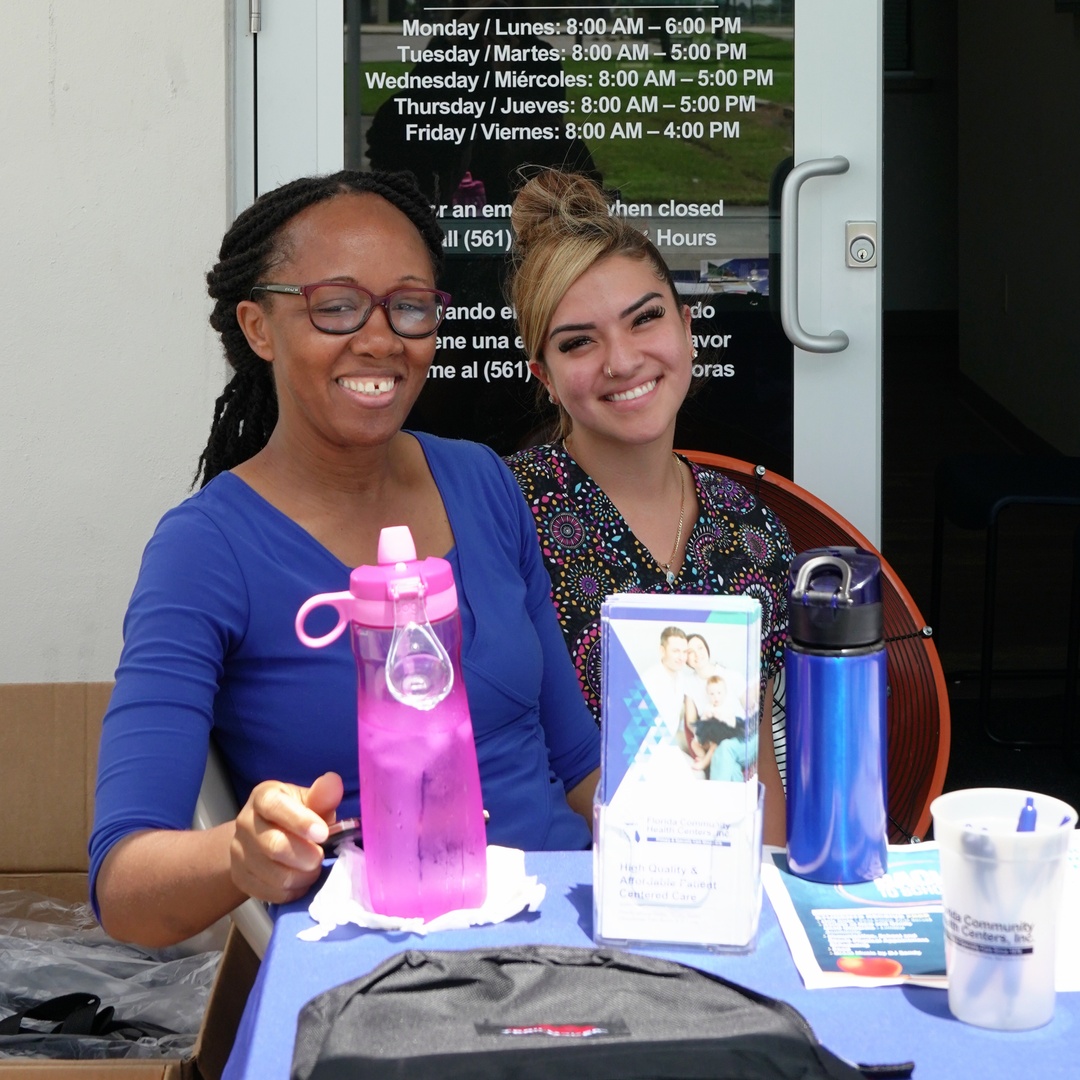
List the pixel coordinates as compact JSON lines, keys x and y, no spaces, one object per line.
{"x":536,"y":1011}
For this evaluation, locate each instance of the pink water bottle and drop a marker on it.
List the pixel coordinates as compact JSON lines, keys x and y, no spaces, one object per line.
{"x":421,"y":810}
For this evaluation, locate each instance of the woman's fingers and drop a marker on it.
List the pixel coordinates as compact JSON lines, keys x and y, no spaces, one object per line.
{"x":272,"y":882}
{"x":324,"y":796}
{"x":276,"y":853}
{"x":281,"y":808}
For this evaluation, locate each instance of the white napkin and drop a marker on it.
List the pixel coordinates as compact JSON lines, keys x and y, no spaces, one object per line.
{"x":509,"y":890}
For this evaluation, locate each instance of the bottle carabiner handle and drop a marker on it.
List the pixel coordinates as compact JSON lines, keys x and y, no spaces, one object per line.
{"x":804,"y":593}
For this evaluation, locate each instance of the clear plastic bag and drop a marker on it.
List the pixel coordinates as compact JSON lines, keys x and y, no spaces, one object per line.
{"x":49,"y":948}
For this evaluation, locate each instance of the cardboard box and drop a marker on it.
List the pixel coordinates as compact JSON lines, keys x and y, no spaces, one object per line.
{"x":49,"y":735}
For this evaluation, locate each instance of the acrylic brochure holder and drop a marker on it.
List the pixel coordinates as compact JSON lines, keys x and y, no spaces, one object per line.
{"x":677,"y":851}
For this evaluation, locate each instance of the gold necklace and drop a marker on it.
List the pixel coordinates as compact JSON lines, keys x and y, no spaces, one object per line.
{"x":666,"y":567}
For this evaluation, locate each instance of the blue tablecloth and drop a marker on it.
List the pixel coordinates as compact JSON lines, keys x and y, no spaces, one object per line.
{"x":873,"y":1025}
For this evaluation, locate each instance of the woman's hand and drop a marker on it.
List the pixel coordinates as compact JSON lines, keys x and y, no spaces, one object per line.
{"x":276,"y":852}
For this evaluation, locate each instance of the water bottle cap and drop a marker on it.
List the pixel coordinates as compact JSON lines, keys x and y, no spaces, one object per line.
{"x":399,"y":570}
{"x":396,"y":545}
{"x":834,"y":598}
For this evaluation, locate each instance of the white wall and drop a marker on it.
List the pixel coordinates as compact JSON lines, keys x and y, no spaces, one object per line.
{"x":114,"y":194}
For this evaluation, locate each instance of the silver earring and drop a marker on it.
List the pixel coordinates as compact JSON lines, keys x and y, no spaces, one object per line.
{"x":693,"y":355}
{"x":551,"y":397}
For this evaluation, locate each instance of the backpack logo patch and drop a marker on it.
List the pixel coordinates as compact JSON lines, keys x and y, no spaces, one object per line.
{"x":558,"y":1031}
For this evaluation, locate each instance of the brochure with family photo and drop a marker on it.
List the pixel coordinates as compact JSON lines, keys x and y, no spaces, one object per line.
{"x":677,"y":856}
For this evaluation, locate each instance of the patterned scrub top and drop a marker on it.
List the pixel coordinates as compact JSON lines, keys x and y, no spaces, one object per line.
{"x":737,"y":546}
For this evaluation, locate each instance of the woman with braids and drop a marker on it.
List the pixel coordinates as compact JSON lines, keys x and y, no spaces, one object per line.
{"x":326,"y":304}
{"x":615,"y":508}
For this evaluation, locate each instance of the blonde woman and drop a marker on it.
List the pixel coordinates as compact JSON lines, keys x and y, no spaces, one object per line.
{"x":616,"y":509}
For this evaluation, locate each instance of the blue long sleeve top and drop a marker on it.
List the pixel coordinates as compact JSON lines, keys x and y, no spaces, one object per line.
{"x":210,"y":648}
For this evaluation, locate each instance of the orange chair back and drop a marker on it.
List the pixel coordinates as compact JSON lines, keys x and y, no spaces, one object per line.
{"x":918,"y":706}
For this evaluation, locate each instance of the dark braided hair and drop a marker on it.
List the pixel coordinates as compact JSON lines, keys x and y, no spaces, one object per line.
{"x":246,"y":411}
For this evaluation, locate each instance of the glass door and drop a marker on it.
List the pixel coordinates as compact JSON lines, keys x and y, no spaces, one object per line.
{"x":687,"y":115}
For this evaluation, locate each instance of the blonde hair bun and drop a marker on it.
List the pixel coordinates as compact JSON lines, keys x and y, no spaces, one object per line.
{"x":554,"y":203}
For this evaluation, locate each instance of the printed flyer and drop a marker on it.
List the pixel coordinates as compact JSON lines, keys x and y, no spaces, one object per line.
{"x":875,"y":933}
{"x":678,"y":851}
{"x":890,"y":931}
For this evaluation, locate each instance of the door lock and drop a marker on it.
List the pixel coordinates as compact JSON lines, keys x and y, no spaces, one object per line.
{"x":861,"y":237}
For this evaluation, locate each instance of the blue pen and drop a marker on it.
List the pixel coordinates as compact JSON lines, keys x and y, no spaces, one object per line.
{"x":977,"y":846}
{"x":1028,"y":816}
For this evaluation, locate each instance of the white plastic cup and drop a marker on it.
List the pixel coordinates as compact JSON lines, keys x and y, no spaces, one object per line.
{"x":1001,"y":891}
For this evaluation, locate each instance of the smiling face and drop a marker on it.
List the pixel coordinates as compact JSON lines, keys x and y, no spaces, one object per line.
{"x":717,"y":691}
{"x":354,"y":389}
{"x":616,"y":354}
{"x":673,"y":653}
{"x":697,"y":653}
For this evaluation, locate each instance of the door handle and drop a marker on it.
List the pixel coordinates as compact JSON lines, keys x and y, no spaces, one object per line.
{"x":837,"y":341}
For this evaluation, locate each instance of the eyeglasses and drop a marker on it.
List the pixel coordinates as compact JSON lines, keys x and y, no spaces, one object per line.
{"x":335,"y":307}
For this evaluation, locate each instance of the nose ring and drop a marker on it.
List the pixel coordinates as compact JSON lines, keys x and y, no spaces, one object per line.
{"x":610,"y":374}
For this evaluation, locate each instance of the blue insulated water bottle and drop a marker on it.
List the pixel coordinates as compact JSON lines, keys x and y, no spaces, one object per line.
{"x":835,"y":679}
